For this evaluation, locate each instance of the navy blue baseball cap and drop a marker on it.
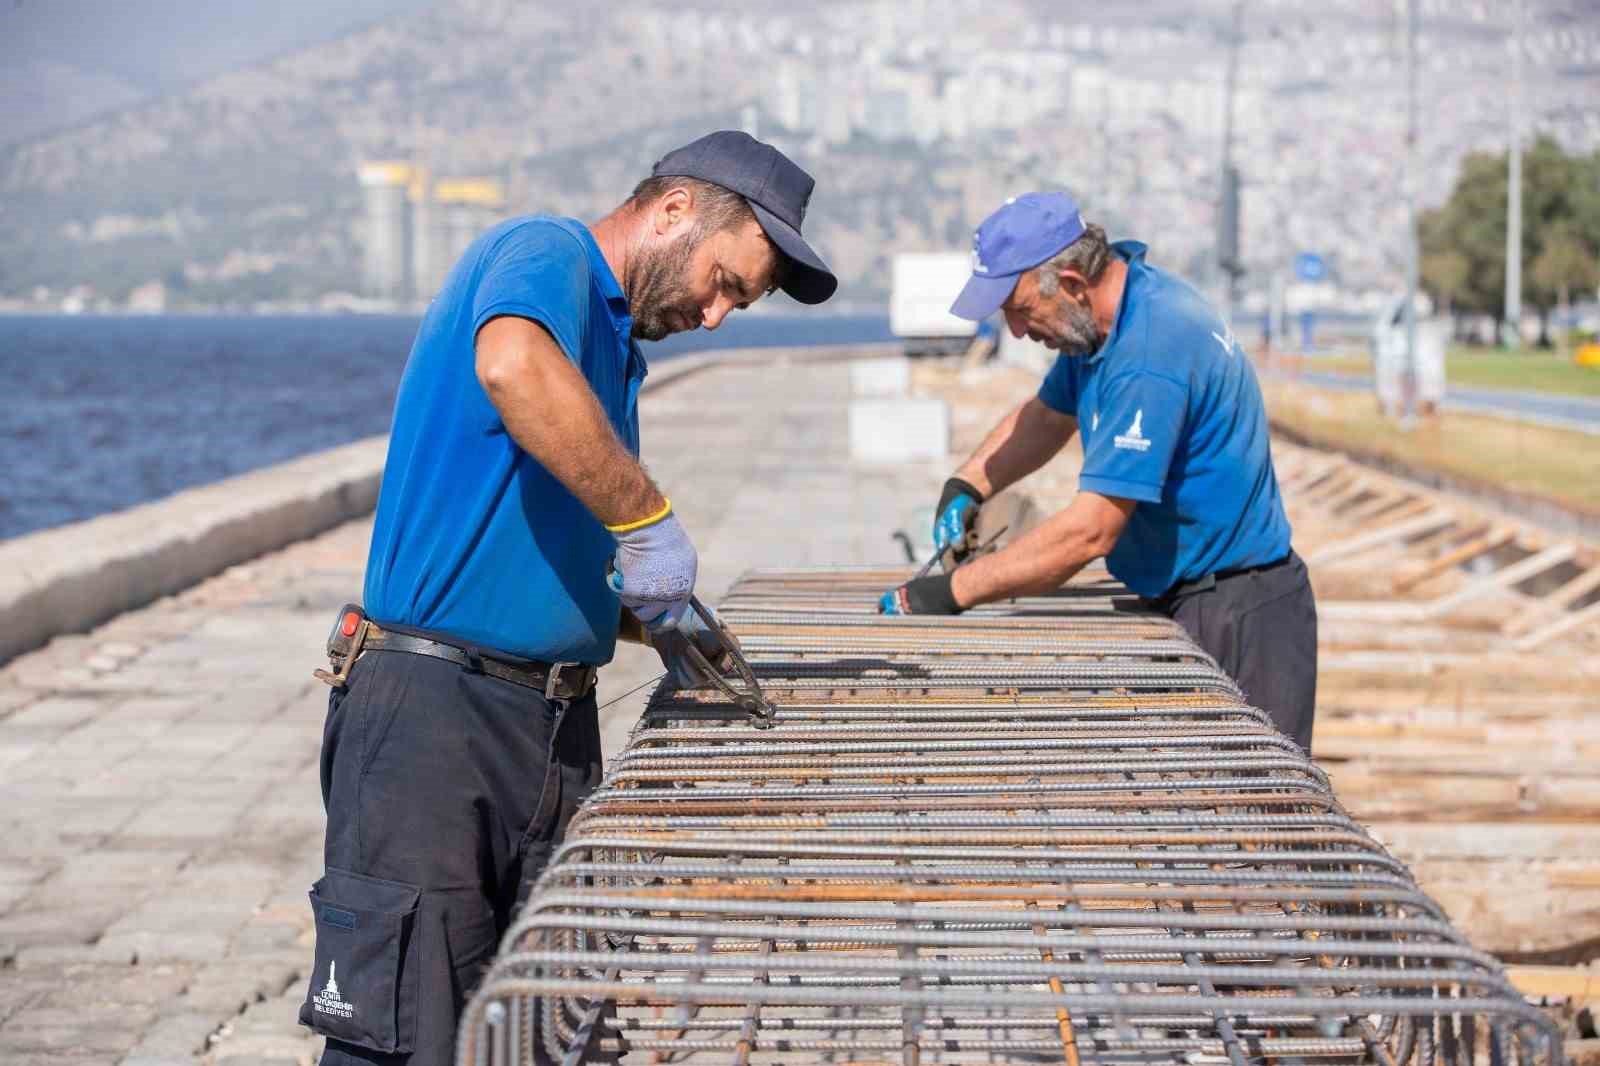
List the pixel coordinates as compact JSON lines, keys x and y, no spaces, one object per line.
{"x":777,"y":191}
{"x":1026,"y":231}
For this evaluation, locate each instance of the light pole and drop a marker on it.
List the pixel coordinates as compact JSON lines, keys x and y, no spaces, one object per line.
{"x":1514,"y":184}
{"x":1228,"y":184}
{"x":1409,"y":391}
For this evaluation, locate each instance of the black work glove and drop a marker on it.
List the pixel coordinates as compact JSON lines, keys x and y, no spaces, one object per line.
{"x":924,"y":595}
{"x":955,"y":520}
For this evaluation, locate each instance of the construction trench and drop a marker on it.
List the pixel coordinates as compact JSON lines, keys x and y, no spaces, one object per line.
{"x":1049,"y":830}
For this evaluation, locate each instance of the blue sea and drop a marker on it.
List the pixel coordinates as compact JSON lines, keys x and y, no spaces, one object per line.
{"x":102,"y":412}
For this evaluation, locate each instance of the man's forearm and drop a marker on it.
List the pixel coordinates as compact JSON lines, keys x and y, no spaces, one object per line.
{"x":553,"y":415}
{"x":1047,"y":556}
{"x":1021,"y":443}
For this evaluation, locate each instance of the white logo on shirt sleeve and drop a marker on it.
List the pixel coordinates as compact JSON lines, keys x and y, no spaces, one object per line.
{"x":1226,"y":340}
{"x":1094,"y":423}
{"x":1134,"y":439}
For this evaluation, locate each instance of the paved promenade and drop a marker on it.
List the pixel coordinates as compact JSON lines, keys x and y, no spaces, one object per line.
{"x":160,"y":820}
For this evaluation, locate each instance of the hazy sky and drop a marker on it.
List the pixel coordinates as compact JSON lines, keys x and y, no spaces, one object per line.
{"x":64,"y":60}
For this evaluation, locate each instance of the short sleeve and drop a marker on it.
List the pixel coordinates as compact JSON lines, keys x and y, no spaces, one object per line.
{"x":1141,"y":417}
{"x":1059,"y":390}
{"x":537,"y":271}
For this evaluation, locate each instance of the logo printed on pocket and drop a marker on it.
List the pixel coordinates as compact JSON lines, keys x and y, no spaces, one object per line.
{"x":328,"y":1000}
{"x":1134,"y":439}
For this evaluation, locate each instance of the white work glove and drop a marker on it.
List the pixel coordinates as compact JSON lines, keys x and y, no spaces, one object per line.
{"x":654,"y":569}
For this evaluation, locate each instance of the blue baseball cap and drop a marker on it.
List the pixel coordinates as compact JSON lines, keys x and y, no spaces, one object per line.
{"x":777,"y":191}
{"x":1026,"y":231}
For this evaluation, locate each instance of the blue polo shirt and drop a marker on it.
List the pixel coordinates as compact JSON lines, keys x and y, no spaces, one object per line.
{"x":1171,"y":416}
{"x":473,"y":537}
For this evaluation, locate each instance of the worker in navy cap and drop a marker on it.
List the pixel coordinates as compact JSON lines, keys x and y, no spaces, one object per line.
{"x":516,"y":537}
{"x":1177,"y":491}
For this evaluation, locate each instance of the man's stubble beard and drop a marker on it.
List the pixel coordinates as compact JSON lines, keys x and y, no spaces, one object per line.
{"x":1076,"y":331}
{"x":658,"y":286}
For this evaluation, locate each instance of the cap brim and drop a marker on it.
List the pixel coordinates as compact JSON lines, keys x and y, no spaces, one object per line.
{"x":982,"y":297}
{"x":808,"y":280}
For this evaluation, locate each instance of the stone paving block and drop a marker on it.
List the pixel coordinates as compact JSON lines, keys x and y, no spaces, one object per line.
{"x":36,"y":921}
{"x":181,"y":1035}
{"x":107,"y":984}
{"x":106,"y":1030}
{"x":16,"y":994}
{"x":164,"y":945}
{"x":182,"y":820}
{"x":15,"y":753}
{"x":21,"y":870}
{"x":233,"y":984}
{"x":257,"y":937}
{"x":155,"y":708}
{"x":55,"y":956}
{"x":57,"y":713}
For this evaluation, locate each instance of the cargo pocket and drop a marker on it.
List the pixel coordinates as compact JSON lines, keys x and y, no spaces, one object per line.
{"x":364,"y":980}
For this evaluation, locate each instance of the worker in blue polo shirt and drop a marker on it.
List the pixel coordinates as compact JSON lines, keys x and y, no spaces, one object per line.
{"x":516,"y":536}
{"x":1177,"y":491}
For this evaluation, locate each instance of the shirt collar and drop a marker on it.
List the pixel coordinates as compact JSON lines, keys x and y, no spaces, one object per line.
{"x":1132,"y":253}
{"x":616,"y":299}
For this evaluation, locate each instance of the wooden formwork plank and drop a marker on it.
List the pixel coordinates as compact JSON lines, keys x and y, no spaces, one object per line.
{"x":1332,"y":486}
{"x":1489,"y":541}
{"x":1403,"y":507}
{"x":1565,"y":624}
{"x":1351,"y":492}
{"x":1410,"y":527}
{"x":1566,"y":982}
{"x":1312,"y":473}
{"x":1468,"y":526}
{"x":1514,"y":574}
{"x":1554,"y":602}
{"x":1383,"y":505}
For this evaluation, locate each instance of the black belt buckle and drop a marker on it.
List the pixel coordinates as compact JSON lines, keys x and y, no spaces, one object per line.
{"x":554,"y":679}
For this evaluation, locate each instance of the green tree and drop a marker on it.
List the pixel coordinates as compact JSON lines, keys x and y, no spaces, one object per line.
{"x":1560,"y":202}
{"x":1472,"y":225}
{"x":1445,"y":275}
{"x":1565,"y":263}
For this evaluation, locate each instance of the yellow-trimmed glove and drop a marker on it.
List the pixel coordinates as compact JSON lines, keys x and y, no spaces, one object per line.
{"x":654,"y":568}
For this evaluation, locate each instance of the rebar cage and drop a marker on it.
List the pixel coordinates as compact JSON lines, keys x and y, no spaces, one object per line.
{"x":1050,"y":830}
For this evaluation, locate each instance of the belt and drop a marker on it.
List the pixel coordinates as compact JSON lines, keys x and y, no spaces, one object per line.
{"x":1203,"y":584}
{"x":558,"y":681}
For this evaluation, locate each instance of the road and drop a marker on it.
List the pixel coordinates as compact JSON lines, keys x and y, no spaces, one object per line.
{"x":1581,"y":413}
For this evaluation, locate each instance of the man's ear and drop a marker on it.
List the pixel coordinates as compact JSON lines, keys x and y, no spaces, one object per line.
{"x":1073,"y":283}
{"x":672,"y":211}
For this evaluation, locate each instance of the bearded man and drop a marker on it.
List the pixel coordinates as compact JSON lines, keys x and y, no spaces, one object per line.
{"x":1177,"y":491}
{"x":516,"y":535}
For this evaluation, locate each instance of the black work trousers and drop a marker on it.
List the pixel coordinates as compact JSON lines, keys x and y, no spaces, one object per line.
{"x":446,"y":791}
{"x":1261,"y":627}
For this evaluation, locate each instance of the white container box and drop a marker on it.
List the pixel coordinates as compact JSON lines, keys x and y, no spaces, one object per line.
{"x":899,"y":431}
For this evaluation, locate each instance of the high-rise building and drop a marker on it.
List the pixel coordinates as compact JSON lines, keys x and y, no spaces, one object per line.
{"x":386,"y":249}
{"x":417,"y":226}
{"x":463,"y":208}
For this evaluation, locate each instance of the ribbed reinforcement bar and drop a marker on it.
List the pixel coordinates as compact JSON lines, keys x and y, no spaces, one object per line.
{"x":1048,"y":831}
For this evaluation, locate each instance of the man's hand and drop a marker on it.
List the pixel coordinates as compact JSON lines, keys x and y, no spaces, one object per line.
{"x":654,"y":569}
{"x":672,"y":643}
{"x":924,"y":595}
{"x":956,"y":517}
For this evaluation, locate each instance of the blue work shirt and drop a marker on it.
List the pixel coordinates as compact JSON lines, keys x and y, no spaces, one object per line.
{"x":473,"y":537}
{"x":1171,"y":416}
